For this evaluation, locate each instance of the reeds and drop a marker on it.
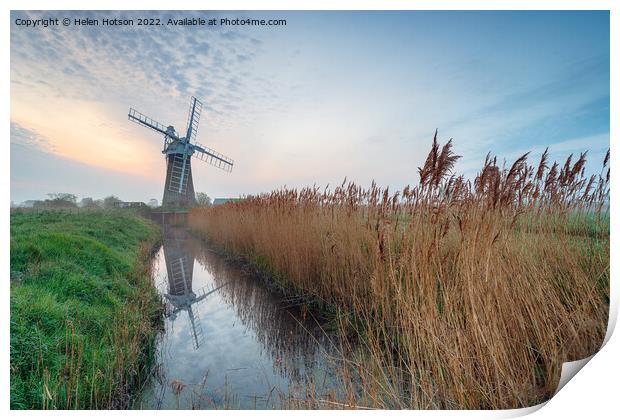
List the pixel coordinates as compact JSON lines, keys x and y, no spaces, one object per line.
{"x":462,"y":294}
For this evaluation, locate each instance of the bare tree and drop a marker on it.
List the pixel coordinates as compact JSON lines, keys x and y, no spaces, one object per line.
{"x":110,"y":202}
{"x":203,"y":200}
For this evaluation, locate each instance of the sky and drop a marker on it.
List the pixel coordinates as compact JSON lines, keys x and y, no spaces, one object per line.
{"x":327,"y":96}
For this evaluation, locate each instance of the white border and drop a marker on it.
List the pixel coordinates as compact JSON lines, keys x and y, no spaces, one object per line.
{"x":591,"y":395}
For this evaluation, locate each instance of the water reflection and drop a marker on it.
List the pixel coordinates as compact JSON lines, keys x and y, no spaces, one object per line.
{"x":228,"y":341}
{"x":179,"y":258}
{"x":293,"y":339}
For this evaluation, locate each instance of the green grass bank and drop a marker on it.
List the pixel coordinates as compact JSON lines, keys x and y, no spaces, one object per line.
{"x":84,"y":312}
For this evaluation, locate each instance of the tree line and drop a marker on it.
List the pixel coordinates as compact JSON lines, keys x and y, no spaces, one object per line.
{"x":68,"y":200}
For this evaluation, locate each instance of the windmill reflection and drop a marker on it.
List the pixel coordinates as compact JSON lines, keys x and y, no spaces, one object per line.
{"x":180,"y":296}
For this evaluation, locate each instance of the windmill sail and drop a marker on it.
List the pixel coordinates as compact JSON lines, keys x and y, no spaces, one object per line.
{"x":197,"y":334}
{"x":203,"y":293}
{"x":213,"y":158}
{"x":140,"y":118}
{"x":193,"y":118}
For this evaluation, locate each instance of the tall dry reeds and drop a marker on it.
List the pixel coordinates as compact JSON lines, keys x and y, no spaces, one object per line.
{"x":460,"y":294}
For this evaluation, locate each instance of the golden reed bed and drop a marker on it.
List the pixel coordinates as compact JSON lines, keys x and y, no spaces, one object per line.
{"x":460,"y":294}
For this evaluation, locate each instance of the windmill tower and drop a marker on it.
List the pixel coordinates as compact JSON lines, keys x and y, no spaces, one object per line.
{"x":179,"y":185}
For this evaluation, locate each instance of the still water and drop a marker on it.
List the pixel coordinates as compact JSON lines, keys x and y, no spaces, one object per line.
{"x":228,"y":341}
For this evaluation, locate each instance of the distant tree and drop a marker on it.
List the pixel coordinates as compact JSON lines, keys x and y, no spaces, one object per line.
{"x":71,"y":198}
{"x":203,"y":200}
{"x":88,"y":203}
{"x":111,"y":201}
{"x":39,"y":204}
{"x":28,"y":203}
{"x":60,"y":200}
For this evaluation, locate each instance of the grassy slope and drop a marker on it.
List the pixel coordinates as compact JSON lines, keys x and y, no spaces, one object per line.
{"x":82,"y":308}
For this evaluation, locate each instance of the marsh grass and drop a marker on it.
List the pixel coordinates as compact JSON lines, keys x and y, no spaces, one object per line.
{"x":461,"y":294}
{"x":84,"y":313}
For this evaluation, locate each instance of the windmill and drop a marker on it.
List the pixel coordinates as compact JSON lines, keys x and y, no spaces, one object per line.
{"x":179,"y":185}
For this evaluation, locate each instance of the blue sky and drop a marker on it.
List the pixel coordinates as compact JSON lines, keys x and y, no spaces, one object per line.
{"x":329,"y":95}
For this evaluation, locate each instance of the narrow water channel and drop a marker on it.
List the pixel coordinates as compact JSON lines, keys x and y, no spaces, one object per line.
{"x":228,"y":341}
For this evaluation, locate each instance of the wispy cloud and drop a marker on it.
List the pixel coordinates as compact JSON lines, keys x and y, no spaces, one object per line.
{"x":140,"y":66}
{"x":355,"y":94}
{"x":21,"y":136}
